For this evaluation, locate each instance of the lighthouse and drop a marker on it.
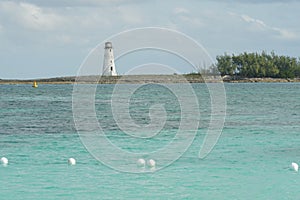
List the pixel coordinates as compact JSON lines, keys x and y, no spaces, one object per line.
{"x":109,"y":68}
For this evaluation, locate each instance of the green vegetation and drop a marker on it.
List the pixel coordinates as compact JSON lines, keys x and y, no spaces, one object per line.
{"x":254,"y":65}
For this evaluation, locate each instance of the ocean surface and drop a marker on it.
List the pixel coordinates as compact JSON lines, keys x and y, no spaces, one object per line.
{"x":251,"y":160}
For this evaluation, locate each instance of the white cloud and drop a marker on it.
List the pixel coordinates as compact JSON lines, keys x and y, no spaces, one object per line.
{"x":286,"y":34}
{"x":183,"y":17}
{"x":180,"y":10}
{"x":257,"y":1}
{"x":252,"y":20}
{"x":41,"y":28}
{"x":129,"y":14}
{"x":259,"y":25}
{"x":31,"y":16}
{"x":72,"y":3}
{"x":80,"y":26}
{"x":65,"y":39}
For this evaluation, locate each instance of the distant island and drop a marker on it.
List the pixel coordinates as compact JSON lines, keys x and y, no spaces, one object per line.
{"x":130,"y":79}
{"x":141,"y":79}
{"x":255,"y":65}
{"x":245,"y":67}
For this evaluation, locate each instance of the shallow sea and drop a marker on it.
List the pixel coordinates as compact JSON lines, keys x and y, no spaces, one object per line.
{"x":251,"y":159}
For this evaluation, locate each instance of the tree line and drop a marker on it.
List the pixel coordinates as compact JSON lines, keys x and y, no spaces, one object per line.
{"x":258,"y":65}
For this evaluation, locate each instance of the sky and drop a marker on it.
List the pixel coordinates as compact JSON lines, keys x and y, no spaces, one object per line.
{"x":42,"y":38}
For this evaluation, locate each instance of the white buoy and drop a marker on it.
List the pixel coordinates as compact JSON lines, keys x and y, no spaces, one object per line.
{"x":295,"y":166}
{"x":72,"y":161}
{"x":141,"y":162}
{"x":4,"y":161}
{"x":151,"y":163}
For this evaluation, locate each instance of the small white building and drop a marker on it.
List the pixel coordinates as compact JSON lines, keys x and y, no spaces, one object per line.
{"x":109,"y":68}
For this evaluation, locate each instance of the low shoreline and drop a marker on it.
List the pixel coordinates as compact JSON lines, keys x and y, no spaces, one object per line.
{"x":141,"y":79}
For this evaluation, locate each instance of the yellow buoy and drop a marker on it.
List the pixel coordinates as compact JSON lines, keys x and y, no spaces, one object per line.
{"x":35,"y":85}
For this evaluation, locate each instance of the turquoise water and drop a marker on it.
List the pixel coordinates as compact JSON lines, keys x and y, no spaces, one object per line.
{"x":251,"y":160}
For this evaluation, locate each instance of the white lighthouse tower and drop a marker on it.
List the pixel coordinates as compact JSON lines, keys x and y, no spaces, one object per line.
{"x":109,"y":68}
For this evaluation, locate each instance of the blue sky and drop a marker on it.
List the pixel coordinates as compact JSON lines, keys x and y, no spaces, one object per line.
{"x":41,"y":38}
